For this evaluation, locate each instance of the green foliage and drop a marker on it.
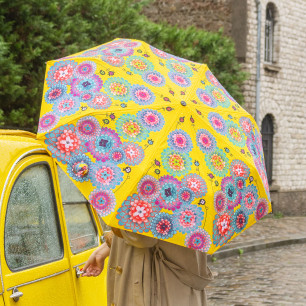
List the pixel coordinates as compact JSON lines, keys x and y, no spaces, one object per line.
{"x":35,"y":31}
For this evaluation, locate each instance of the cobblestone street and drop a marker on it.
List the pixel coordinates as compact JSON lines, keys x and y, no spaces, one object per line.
{"x":269,"y":277}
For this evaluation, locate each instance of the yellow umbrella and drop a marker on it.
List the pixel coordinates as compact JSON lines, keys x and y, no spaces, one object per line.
{"x":155,"y":143}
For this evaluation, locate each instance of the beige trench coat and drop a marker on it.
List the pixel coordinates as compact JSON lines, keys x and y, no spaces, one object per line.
{"x":143,"y":271}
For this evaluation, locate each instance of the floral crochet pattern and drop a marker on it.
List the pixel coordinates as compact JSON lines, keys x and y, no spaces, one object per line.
{"x":180,"y":141}
{"x":206,"y":141}
{"x":220,"y":202}
{"x":239,"y":169}
{"x":103,"y":201}
{"x":235,"y":134}
{"x":217,"y":162}
{"x":232,"y":194}
{"x":134,"y":153}
{"x":102,"y":144}
{"x":47,"y":122}
{"x":179,"y":79}
{"x":130,"y":128}
{"x":142,"y":95}
{"x":66,"y":106}
{"x":169,"y":193}
{"x":217,"y":122}
{"x":154,"y":78}
{"x":181,"y":68}
{"x":188,"y":218}
{"x":115,"y":61}
{"x":63,"y":143}
{"x":218,"y":95}
{"x":206,"y":98}
{"x":261,"y":209}
{"x":85,"y":69}
{"x":151,"y":119}
{"x":81,"y":86}
{"x":162,"y":226}
{"x":136,"y":214}
{"x":223,"y":229}
{"x":249,"y":199}
{"x":176,"y":163}
{"x":186,"y":195}
{"x":105,"y":175}
{"x":139,"y":65}
{"x":55,"y":93}
{"x":198,"y":240}
{"x":88,"y":128}
{"x":61,"y":73}
{"x":118,"y":89}
{"x":148,"y":188}
{"x":196,"y":183}
{"x":240,"y":220}
{"x":99,"y":101}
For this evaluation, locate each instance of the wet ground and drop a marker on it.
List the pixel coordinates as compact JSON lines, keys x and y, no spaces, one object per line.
{"x":269,"y":277}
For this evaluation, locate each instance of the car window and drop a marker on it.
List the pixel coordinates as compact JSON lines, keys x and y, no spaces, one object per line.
{"x":82,"y":231}
{"x":32,"y":231}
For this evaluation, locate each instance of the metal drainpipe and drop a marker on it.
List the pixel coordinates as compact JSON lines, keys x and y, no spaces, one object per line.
{"x":257,"y":98}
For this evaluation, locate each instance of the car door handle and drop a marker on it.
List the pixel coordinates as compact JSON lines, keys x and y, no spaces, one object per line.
{"x":78,"y":272}
{"x":16,"y":294}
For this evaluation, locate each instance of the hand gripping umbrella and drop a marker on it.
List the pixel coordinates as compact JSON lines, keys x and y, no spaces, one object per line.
{"x":155,"y":143}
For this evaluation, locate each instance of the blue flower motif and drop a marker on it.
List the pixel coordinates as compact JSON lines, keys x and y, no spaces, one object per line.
{"x":102,"y":144}
{"x":206,"y":141}
{"x":105,"y":175}
{"x":235,"y":134}
{"x":240,"y":220}
{"x":117,"y":155}
{"x":154,"y":78}
{"x":118,"y":51}
{"x":118,"y":89}
{"x":179,"y":79}
{"x":136,"y":214}
{"x":80,"y":86}
{"x":66,"y":106}
{"x":232,"y":193}
{"x":55,"y":93}
{"x":85,"y":69}
{"x":103,"y":201}
{"x":176,"y":163}
{"x":188,"y":218}
{"x":88,"y":128}
{"x":151,"y":119}
{"x":178,"y":67}
{"x":217,"y":162}
{"x":78,"y":167}
{"x":61,"y":73}
{"x":47,"y":122}
{"x":129,"y":127}
{"x":249,"y":199}
{"x":198,"y":240}
{"x":206,"y":98}
{"x":142,"y":95}
{"x":138,"y":64}
{"x":217,"y":122}
{"x":162,"y":226}
{"x":180,"y":141}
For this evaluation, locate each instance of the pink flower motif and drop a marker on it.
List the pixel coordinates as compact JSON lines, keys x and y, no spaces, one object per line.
{"x":140,"y":211}
{"x":142,"y":95}
{"x":68,"y":142}
{"x":63,"y":73}
{"x":187,"y":218}
{"x":105,"y":175}
{"x":224,"y":224}
{"x":196,"y":184}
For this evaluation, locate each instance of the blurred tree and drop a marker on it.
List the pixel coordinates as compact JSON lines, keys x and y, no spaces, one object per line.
{"x":35,"y":31}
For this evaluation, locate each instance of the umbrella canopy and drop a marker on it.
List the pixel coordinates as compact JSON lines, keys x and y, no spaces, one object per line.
{"x":155,"y":143}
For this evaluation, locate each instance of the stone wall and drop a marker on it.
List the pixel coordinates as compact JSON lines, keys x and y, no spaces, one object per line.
{"x":210,"y":15}
{"x":283,"y":96}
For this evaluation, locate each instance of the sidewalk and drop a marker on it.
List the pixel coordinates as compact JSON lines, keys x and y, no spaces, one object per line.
{"x":266,"y":233}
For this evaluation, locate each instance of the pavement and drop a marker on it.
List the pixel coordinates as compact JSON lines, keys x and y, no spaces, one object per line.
{"x":271,"y":231}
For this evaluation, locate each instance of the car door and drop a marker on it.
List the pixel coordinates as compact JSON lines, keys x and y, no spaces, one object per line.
{"x":84,"y":233}
{"x":34,"y":252}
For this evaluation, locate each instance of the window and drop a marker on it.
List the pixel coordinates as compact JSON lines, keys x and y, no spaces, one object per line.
{"x":271,"y":34}
{"x":81,"y":228}
{"x":32,"y":234}
{"x":267,"y":142}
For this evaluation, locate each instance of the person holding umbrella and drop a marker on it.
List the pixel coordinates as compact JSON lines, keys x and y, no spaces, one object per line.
{"x":167,"y":158}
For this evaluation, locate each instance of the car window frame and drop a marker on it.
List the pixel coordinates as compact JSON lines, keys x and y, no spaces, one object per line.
{"x":56,"y":214}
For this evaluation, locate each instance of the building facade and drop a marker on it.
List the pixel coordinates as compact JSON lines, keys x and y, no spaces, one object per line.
{"x":279,"y":101}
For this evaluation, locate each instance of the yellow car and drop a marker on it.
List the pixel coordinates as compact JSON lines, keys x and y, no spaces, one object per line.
{"x":48,"y":230}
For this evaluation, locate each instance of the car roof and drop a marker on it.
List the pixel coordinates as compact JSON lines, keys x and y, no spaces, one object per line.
{"x":16,"y":144}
